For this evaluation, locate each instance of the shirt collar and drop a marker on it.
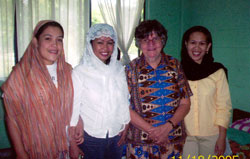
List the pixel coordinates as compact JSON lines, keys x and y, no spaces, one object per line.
{"x":143,"y":63}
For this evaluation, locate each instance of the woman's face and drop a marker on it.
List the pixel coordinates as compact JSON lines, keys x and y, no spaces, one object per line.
{"x":197,"y":46}
{"x":151,"y":47}
{"x":50,"y":44}
{"x":103,"y":47}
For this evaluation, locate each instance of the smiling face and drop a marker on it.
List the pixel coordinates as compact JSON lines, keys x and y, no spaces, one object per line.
{"x":50,"y":44}
{"x":197,"y":46}
{"x":151,"y":47}
{"x":103,"y":48}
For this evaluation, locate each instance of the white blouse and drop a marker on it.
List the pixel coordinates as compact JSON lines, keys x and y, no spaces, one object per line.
{"x":52,"y":71}
{"x":102,"y":101}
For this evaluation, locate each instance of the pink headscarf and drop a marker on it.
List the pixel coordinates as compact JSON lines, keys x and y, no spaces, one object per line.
{"x":39,"y":110}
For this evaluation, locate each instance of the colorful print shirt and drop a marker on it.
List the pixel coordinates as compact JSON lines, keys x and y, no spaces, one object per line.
{"x":155,"y":95}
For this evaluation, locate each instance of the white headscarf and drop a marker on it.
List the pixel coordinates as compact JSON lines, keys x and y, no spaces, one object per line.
{"x":92,"y":70}
{"x":89,"y":58}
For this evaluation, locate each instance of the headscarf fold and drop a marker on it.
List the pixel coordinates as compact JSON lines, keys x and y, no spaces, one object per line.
{"x":39,"y":110}
{"x":195,"y":71}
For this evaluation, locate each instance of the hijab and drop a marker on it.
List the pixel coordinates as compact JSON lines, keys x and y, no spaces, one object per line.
{"x":39,"y":110}
{"x":193,"y":70}
{"x":89,"y":59}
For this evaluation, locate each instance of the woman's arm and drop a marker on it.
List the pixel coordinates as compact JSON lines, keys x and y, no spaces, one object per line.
{"x":220,"y":146}
{"x":181,"y":111}
{"x":74,"y":150}
{"x":222,"y":100}
{"x":78,"y":134}
{"x":123,"y":135}
{"x":139,"y":122}
{"x":16,"y":139}
{"x":223,"y":108}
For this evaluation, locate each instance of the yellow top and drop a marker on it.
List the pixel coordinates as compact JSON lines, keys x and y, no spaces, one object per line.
{"x":210,"y":105}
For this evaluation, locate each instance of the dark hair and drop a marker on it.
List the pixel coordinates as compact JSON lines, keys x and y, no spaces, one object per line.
{"x":45,"y":26}
{"x":145,"y":28}
{"x":186,"y":37}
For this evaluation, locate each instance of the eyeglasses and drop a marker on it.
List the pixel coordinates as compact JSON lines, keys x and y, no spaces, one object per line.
{"x":155,"y":40}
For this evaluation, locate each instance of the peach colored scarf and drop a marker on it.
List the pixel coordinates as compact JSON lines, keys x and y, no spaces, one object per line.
{"x":40,"y":110}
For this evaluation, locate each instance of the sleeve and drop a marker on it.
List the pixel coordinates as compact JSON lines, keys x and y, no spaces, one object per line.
{"x":129,"y":72}
{"x":77,"y":98}
{"x":185,"y":90}
{"x":223,"y":100}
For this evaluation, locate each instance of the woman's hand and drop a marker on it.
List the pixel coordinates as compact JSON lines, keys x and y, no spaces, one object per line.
{"x":78,"y":134}
{"x":160,"y":134}
{"x":74,"y":151}
{"x":220,"y":146}
{"x":123,"y":135}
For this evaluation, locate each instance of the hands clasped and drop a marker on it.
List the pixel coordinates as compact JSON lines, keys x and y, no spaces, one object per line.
{"x":160,"y":134}
{"x":76,"y":138}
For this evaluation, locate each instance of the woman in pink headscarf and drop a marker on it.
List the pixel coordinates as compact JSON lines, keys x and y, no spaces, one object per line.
{"x":38,"y":96}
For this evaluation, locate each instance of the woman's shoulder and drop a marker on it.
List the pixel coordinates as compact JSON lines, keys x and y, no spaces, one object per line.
{"x":218,"y":75}
{"x":16,"y":72}
{"x":69,"y":66}
{"x":15,"y":80}
{"x":172,"y":62}
{"x":220,"y":72}
{"x":171,"y":58}
{"x":78,"y":72}
{"x":135,"y":62}
{"x":79,"y":68}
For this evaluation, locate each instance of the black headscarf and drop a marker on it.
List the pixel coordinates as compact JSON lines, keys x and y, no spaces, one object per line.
{"x":193,"y":70}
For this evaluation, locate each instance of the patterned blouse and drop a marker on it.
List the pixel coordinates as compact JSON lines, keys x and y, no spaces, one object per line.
{"x":156,"y":95}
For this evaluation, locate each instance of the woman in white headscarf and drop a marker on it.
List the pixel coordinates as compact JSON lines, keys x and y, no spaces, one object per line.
{"x":101,"y":96}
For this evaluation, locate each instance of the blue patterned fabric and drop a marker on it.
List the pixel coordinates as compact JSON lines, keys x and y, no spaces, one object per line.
{"x":155,"y":95}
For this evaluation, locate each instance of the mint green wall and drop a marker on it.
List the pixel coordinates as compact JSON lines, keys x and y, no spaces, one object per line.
{"x":229,"y":23}
{"x":168,"y":12}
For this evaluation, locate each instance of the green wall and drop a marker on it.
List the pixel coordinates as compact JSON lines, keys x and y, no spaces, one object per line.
{"x":229,"y":23}
{"x":169,"y":13}
{"x":4,"y":142}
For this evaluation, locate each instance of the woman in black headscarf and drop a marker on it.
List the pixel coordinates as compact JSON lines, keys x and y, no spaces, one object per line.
{"x":209,"y":116}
